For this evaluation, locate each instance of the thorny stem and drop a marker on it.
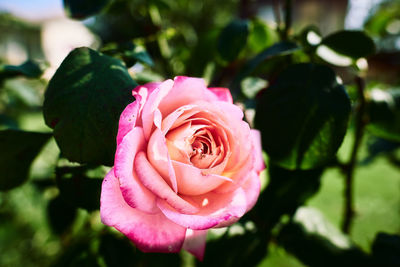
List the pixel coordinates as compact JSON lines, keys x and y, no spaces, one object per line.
{"x":349,"y":170}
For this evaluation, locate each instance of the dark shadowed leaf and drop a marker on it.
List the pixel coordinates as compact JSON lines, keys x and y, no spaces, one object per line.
{"x":386,"y":250}
{"x":354,"y":44}
{"x":286,"y":191}
{"x":29,"y":69}
{"x":384,"y":114}
{"x":18,"y":150}
{"x":80,"y":9}
{"x":278,"y":49}
{"x":303,"y":117}
{"x":83,"y":102}
{"x":316,"y":242}
{"x":246,"y":249}
{"x":117,"y":251}
{"x":78,"y":190}
{"x":233,"y":39}
{"x":120,"y":251}
{"x":61,"y":215}
{"x":77,"y":253}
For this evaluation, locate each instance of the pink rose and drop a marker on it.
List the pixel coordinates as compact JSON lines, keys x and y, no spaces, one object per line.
{"x":185,"y":162}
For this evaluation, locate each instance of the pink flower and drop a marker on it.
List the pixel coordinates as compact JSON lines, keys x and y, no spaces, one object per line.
{"x":185,"y":162}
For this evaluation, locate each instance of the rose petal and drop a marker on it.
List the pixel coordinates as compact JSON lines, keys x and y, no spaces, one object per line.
{"x":191,"y":180}
{"x":214,"y":208}
{"x":127,"y":120}
{"x":157,"y":153}
{"x":152,"y":104}
{"x":259,"y":164}
{"x":252,"y":189}
{"x":223,"y":94}
{"x":195,"y":242}
{"x":156,"y":184}
{"x":186,"y":90}
{"x":133,"y":191}
{"x":238,"y":176}
{"x":150,"y":232}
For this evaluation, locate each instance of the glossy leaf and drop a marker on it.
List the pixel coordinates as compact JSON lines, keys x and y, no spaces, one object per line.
{"x":303,"y":117}
{"x":80,"y":9}
{"x":233,"y":39}
{"x":354,"y":44}
{"x":83,"y":102}
{"x":18,"y":150}
{"x":384,"y":114}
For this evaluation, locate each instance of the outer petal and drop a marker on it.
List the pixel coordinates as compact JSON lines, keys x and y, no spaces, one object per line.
{"x":186,"y":90}
{"x":151,"y":105}
{"x":195,"y":242}
{"x":223,"y":94}
{"x":150,"y":232}
{"x":215,"y":209}
{"x":128,"y":117}
{"x":252,"y":189}
{"x":156,"y":184}
{"x":134,"y":193}
{"x":259,"y":164}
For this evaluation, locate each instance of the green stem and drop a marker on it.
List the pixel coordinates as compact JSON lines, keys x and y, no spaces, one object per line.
{"x":349,"y":172}
{"x":288,"y":19}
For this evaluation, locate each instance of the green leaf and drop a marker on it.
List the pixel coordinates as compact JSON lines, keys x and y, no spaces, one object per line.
{"x":128,"y":52}
{"x":80,"y":9}
{"x":29,"y":69}
{"x":384,"y":113}
{"x":286,"y":191}
{"x":278,"y":49}
{"x":110,"y":246}
{"x":303,"y":117}
{"x":61,"y":215}
{"x":386,"y":250}
{"x":233,"y":39}
{"x":354,"y":44}
{"x":83,"y":102}
{"x":252,"y":85}
{"x":18,"y":150}
{"x":246,"y":249}
{"x":261,"y":36}
{"x":78,"y":190}
{"x":316,"y":242}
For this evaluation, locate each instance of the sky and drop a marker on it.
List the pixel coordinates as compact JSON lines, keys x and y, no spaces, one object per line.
{"x":34,"y":10}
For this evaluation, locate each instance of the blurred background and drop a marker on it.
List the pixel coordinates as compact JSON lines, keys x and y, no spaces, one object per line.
{"x":180,"y":38}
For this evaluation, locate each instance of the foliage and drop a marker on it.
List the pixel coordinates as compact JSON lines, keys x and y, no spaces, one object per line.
{"x":308,"y":96}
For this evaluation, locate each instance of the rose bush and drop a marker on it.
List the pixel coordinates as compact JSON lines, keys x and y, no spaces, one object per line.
{"x":185,"y":162}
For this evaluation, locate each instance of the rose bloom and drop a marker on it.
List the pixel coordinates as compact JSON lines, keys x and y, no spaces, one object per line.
{"x":185,"y":162}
